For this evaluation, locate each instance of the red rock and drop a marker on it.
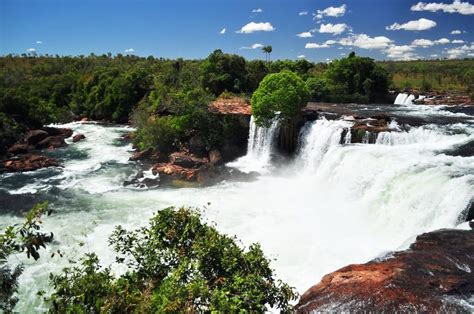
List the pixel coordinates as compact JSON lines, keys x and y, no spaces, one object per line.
{"x":167,"y":170}
{"x":433,"y":275}
{"x":85,"y":119}
{"x":141,"y":155}
{"x":28,"y":163}
{"x":187,"y":160}
{"x":52,"y":142}
{"x":232,"y":106}
{"x":35,"y":136}
{"x":19,"y":149}
{"x":76,"y":138}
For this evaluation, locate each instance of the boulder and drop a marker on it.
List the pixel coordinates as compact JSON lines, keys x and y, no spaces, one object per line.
{"x":64,"y":132}
{"x":215,"y":157}
{"x":436,"y":274}
{"x":28,"y":163}
{"x":141,"y":155}
{"x":76,"y":138}
{"x":85,"y":119}
{"x":35,"y":136}
{"x":19,"y":149}
{"x":186,"y":160}
{"x":173,"y":171}
{"x":52,"y":142}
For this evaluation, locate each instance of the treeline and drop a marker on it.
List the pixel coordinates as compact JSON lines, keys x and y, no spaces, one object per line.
{"x":432,"y":75}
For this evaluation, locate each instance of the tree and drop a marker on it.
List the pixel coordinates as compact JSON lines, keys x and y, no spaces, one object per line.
{"x":176,"y":264}
{"x":267,"y":50}
{"x":279,"y":95}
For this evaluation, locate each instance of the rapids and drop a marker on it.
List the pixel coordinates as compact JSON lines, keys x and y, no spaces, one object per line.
{"x":334,"y":204}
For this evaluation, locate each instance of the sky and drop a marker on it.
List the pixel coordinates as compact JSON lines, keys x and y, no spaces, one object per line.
{"x":317,"y":30}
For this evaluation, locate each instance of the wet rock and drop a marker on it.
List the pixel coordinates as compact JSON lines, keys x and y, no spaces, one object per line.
{"x":28,"y":163}
{"x":19,"y":149}
{"x":52,"y":142}
{"x":215,"y":157}
{"x":78,"y":137}
{"x":436,"y":274}
{"x":85,"y":119}
{"x":168,"y":171}
{"x":186,"y":160}
{"x":64,"y":132}
{"x":209,"y":175}
{"x":141,"y":155}
{"x":35,"y":136}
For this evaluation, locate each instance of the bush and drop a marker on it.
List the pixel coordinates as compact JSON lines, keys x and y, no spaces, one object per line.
{"x":284,"y":93}
{"x":176,"y":264}
{"x":318,"y":88}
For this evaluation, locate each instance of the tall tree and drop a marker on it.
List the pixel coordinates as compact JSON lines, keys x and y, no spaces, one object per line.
{"x":267,"y":50}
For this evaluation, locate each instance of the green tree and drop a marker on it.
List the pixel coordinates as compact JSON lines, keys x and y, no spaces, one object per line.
{"x":280,"y":95}
{"x":267,"y":50}
{"x":176,"y":264}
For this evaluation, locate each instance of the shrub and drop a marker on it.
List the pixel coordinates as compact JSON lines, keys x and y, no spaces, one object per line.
{"x":284,"y":93}
{"x":176,"y":264}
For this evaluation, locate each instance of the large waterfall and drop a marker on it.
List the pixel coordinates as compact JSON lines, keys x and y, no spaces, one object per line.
{"x":334,"y":205}
{"x":259,"y":148}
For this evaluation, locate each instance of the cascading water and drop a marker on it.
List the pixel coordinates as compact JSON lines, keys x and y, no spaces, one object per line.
{"x":335,"y":205}
{"x":259,"y":148}
{"x":405,"y":99}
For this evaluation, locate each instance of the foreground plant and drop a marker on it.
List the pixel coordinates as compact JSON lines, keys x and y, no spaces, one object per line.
{"x":176,"y":264}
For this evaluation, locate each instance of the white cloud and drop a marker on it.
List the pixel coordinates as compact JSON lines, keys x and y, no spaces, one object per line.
{"x":222,"y":32}
{"x":316,"y":46}
{"x":470,"y":54}
{"x":366,"y":42}
{"x":254,"y":46}
{"x":305,"y":35}
{"x":460,"y":51}
{"x":428,"y":43}
{"x":434,"y":55}
{"x":331,"y":11}
{"x":455,"y":32}
{"x":334,"y":29}
{"x":257,"y":10}
{"x":301,"y":57}
{"x":464,"y":8}
{"x":39,"y":42}
{"x":416,"y":25}
{"x":403,"y":52}
{"x":129,"y":50}
{"x":31,"y":50}
{"x":253,"y":27}
{"x":458,"y":41}
{"x":303,"y":13}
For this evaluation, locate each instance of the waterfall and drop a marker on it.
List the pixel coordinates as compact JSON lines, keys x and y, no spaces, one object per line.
{"x":319,"y":138}
{"x":259,"y":148}
{"x":405,"y":99}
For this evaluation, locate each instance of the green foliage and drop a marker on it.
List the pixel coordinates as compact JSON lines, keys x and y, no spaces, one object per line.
{"x":318,"y":88}
{"x":284,"y":93}
{"x":176,"y":264}
{"x":27,"y":238}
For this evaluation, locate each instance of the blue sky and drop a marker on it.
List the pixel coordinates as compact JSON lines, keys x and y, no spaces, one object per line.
{"x":328,"y":29}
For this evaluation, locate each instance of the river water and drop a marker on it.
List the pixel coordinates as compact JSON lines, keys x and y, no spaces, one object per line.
{"x":332,"y":205}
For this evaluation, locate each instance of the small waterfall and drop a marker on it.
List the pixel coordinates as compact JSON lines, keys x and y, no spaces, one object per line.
{"x":319,"y":138}
{"x":259,"y":148}
{"x":405,"y":99}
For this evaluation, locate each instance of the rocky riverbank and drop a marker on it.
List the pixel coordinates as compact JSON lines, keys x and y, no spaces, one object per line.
{"x":436,"y":274}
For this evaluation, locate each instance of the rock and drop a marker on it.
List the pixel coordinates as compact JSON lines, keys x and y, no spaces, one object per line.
{"x":85,"y":119}
{"x":231,"y":106}
{"x":64,"y":132}
{"x":28,"y":163}
{"x":173,"y":171}
{"x":35,"y":136}
{"x":187,"y":160}
{"x":141,"y":155}
{"x":197,"y":145}
{"x":52,"y":142}
{"x":209,"y":175}
{"x":76,"y":138}
{"x":19,"y":149}
{"x":215,"y":157}
{"x":436,"y":274}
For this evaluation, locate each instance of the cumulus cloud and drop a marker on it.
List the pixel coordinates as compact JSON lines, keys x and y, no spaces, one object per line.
{"x":334,"y":29}
{"x":253,"y":27}
{"x":303,"y":13}
{"x":257,"y":10}
{"x":460,"y":51}
{"x":222,"y":32}
{"x":458,"y":41}
{"x":331,"y":11}
{"x":403,"y":52}
{"x":254,"y":46}
{"x":464,"y":8}
{"x":428,"y":43}
{"x":301,"y":57}
{"x":39,"y":42}
{"x":455,"y":32}
{"x":366,"y":42}
{"x":31,"y":50}
{"x":316,"y":46}
{"x":434,"y":55}
{"x":305,"y":35}
{"x":416,"y":25}
{"x":129,"y":50}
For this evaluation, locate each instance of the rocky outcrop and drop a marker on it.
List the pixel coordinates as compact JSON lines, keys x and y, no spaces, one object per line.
{"x":35,"y":136}
{"x":51,"y":142}
{"x":46,"y":137}
{"x":231,"y":106}
{"x":187,"y":160}
{"x":436,"y":274}
{"x":78,"y":137}
{"x":141,"y":155}
{"x":444,"y":99}
{"x":28,"y":163}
